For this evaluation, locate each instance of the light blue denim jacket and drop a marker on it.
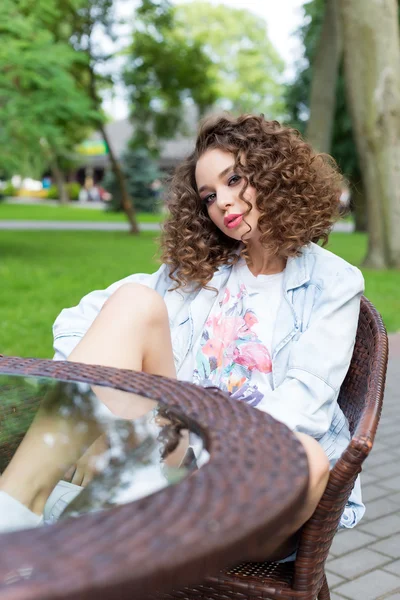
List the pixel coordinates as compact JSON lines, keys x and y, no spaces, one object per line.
{"x":312,"y":343}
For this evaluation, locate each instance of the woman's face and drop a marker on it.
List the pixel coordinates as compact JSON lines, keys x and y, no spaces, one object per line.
{"x":219,"y":187}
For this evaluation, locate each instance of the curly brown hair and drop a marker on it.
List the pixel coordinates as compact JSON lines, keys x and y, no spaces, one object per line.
{"x":297,"y":194}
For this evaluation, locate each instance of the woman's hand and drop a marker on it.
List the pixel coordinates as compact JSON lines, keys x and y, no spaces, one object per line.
{"x":85,"y":468}
{"x":174,"y":458}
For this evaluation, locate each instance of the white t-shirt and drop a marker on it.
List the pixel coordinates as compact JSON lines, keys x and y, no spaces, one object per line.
{"x":234,"y":351}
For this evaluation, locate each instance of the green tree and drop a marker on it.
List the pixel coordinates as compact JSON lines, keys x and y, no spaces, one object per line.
{"x":166,"y":70}
{"x":246,"y":67}
{"x":372,"y":57}
{"x":298,"y":96}
{"x":83,"y":20}
{"x":141,"y":171}
{"x":38,"y":94}
{"x":325,"y":67}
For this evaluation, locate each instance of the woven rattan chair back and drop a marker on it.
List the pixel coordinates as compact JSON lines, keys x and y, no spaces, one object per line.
{"x":360,"y":398}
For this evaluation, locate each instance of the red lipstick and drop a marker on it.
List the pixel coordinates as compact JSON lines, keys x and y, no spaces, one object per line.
{"x":232,"y":221}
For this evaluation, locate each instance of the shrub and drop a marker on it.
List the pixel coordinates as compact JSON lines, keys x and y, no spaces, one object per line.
{"x":73,"y":189}
{"x":140,"y":170}
{"x":52,"y":192}
{"x":9,"y":190}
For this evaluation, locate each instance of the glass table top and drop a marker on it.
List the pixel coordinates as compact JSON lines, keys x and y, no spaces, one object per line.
{"x":70,"y":448}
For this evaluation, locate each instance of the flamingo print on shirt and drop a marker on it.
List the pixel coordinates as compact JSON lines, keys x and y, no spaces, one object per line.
{"x":231,"y":356}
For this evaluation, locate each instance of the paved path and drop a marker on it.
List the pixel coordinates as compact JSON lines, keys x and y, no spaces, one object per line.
{"x":364,"y":563}
{"x":20,"y":225}
{"x":27,"y":201}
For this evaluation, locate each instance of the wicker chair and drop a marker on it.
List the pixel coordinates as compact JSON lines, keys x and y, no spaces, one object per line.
{"x":360,"y":398}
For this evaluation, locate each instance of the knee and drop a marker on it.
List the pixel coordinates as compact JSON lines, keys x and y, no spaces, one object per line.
{"x":320,"y":468}
{"x":140,"y":300}
{"x":317,"y":461}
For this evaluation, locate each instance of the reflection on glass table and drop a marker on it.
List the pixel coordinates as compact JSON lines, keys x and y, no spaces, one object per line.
{"x":63,"y":453}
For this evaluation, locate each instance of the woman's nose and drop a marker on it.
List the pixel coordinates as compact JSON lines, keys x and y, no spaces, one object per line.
{"x":224,"y":199}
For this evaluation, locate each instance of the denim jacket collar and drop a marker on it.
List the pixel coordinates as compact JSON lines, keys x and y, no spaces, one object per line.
{"x":297,"y":271}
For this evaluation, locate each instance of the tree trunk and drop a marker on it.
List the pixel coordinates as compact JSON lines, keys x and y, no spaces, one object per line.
{"x":58,"y":176}
{"x":126,"y":200}
{"x":358,"y":206}
{"x":372,"y":57}
{"x":325,"y":67}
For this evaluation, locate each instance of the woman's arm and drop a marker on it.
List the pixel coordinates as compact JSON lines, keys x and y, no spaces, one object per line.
{"x":320,"y":358}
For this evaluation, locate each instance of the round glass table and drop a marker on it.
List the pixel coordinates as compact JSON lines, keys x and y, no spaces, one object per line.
{"x":145,"y":484}
{"x":95,"y":458}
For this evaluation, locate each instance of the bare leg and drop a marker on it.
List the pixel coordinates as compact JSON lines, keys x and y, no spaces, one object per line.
{"x":285,"y":543}
{"x":28,"y":477}
{"x":131,"y":331}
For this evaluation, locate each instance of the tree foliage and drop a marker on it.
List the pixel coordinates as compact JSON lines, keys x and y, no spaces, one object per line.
{"x":201,"y":54}
{"x":42,"y":108}
{"x":244,"y":64}
{"x":166,"y":70}
{"x":88,"y":26}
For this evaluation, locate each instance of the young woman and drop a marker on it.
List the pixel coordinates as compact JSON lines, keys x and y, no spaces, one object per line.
{"x":245,"y":298}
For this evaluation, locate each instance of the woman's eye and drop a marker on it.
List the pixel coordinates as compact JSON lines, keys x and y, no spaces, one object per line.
{"x":234,"y":179}
{"x":209,"y":198}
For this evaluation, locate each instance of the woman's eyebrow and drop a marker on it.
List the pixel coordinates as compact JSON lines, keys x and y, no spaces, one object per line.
{"x":220,"y":176}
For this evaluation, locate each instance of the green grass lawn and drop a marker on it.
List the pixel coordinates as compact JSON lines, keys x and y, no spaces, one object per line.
{"x":381,"y":287}
{"x":43,"y":272}
{"x":67,"y":213}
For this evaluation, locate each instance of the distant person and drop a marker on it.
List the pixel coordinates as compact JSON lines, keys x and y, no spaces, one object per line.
{"x":156,"y":187}
{"x":46,"y":183}
{"x":91,"y":190}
